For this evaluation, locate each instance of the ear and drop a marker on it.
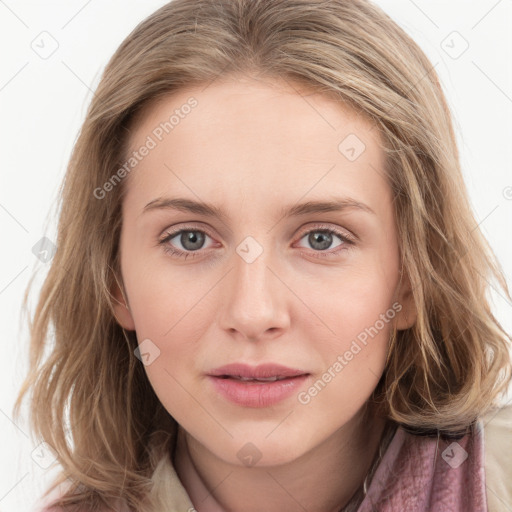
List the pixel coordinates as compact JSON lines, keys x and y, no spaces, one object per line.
{"x":122,"y":308}
{"x":406,"y":316}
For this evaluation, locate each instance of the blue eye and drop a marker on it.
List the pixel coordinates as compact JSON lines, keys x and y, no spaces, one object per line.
{"x":192,"y":242}
{"x":321,"y":239}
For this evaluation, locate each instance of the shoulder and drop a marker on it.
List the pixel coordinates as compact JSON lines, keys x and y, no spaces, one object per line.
{"x":497,"y":428}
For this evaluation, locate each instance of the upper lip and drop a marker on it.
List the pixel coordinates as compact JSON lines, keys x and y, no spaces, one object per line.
{"x":260,"y":371}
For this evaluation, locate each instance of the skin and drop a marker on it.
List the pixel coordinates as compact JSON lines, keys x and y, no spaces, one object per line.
{"x":250,"y":147}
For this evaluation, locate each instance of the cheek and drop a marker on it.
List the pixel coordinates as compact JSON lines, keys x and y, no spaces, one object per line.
{"x":352,"y":302}
{"x":172,"y":312}
{"x":345,"y":331}
{"x":356,"y":312}
{"x":169,"y":376}
{"x":352,"y":351}
{"x":161,"y":296}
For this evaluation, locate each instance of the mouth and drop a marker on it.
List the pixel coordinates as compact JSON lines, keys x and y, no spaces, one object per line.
{"x":255,"y":379}
{"x":259,"y":386}
{"x":267,"y":372}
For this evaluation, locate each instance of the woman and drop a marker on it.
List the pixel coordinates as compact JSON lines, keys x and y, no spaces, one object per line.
{"x":268,"y":291}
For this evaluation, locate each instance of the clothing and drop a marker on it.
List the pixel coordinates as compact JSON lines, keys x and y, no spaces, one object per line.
{"x":415,"y":474}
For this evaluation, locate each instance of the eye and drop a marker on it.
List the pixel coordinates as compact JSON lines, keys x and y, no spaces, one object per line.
{"x":321,"y":238}
{"x":190,"y":239}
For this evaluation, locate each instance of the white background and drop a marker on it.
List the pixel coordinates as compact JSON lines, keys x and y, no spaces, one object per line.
{"x":43,"y":103}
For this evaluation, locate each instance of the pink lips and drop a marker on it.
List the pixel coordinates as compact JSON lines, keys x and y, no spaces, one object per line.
{"x":231,"y":382}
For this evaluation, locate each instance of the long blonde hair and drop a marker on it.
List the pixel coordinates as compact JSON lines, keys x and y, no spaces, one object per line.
{"x":441,"y":374}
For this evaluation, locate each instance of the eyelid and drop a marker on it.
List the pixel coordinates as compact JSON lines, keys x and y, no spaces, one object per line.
{"x":169,"y":234}
{"x":348,"y":239}
{"x":319,"y":226}
{"x":187,"y":226}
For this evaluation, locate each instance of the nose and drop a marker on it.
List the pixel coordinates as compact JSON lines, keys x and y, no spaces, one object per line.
{"x":254,"y":303}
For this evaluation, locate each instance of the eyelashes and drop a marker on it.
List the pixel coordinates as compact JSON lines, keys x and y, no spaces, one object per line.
{"x":328,"y":233}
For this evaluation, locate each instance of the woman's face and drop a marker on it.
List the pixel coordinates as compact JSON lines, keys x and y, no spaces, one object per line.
{"x":230,"y":254}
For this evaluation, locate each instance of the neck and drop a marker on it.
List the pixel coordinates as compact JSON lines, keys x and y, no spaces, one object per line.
{"x":323,"y":479}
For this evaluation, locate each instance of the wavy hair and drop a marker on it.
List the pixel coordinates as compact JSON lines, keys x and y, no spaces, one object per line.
{"x":89,"y":395}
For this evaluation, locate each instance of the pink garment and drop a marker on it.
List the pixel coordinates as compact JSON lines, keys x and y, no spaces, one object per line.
{"x":418,"y":474}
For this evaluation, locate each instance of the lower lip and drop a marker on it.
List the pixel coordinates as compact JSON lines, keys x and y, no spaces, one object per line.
{"x":257,"y":393}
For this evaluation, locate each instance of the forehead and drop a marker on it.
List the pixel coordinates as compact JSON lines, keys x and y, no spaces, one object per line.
{"x":251,"y":136}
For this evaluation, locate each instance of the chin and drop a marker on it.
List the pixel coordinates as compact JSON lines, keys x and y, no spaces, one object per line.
{"x":259,"y":451}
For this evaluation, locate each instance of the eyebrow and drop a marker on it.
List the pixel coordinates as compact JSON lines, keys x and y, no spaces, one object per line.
{"x":337,"y":204}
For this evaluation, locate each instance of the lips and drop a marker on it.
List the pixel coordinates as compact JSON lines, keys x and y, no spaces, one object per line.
{"x":264,"y":372}
{"x":253,"y":379}
{"x":257,"y":386}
